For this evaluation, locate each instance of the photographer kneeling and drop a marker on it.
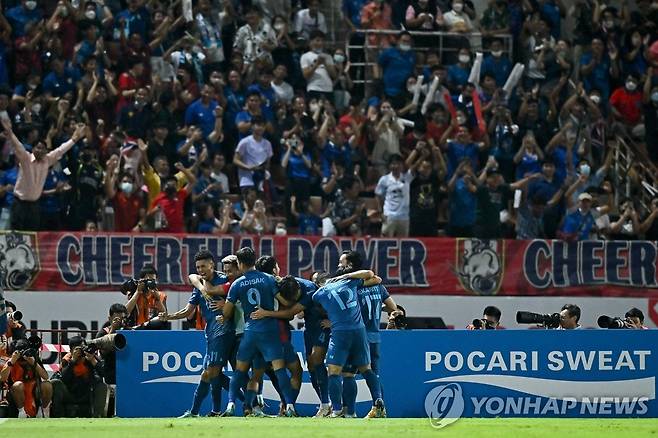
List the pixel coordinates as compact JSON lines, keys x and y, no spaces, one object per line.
{"x":145,"y":301}
{"x":118,"y":320}
{"x":79,"y":390}
{"x":29,"y":389}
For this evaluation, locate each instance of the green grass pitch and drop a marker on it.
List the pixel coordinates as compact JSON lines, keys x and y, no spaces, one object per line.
{"x":324,"y":428}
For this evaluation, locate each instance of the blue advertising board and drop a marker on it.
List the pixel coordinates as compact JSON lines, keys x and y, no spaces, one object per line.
{"x":445,"y":374}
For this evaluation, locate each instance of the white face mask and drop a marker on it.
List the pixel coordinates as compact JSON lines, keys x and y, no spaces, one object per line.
{"x":405,"y":47}
{"x":585,"y":169}
{"x":461,"y":120}
{"x":654,"y":97}
{"x":631,"y":86}
{"x":458,"y":7}
{"x":497,"y":53}
{"x":280,"y":231}
{"x":317,"y":51}
{"x":279,"y":26}
{"x":91,"y":15}
{"x":127,"y":188}
{"x":338,"y":58}
{"x":411,"y":88}
{"x":464,"y":59}
{"x":63,"y":11}
{"x":313,"y":107}
{"x":31,"y":5}
{"x":595,"y":98}
{"x":609,"y":24}
{"x":36,"y":108}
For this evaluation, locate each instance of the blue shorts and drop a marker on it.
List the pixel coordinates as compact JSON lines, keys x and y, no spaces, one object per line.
{"x":374,"y":360}
{"x":218,"y":350}
{"x":316,"y":338}
{"x":268,"y":344}
{"x":348,"y":347}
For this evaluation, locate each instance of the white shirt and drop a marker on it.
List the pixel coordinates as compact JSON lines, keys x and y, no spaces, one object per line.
{"x":320,"y":79}
{"x":283,"y":92}
{"x":395,"y":192}
{"x":252,"y":153}
{"x":452,"y":18}
{"x":305,"y":24}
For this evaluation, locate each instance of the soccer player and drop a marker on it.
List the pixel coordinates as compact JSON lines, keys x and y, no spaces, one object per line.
{"x":220,"y":336}
{"x":254,"y":290}
{"x":349,"y":342}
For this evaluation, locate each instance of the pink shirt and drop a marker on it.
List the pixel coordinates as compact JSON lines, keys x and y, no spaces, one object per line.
{"x":32,"y":173}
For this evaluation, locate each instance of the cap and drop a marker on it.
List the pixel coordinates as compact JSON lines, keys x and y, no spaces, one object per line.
{"x":585,"y":197}
{"x":493,"y":171}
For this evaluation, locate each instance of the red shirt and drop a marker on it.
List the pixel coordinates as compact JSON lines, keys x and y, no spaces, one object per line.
{"x":628,"y":104}
{"x":126,"y":210}
{"x":126,"y":82}
{"x":435,"y":132}
{"x":173,"y":210}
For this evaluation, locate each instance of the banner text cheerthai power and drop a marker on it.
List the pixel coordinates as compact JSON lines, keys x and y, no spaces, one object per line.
{"x":76,"y":261}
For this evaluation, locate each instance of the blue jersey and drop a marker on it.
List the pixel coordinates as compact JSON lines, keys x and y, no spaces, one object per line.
{"x":214,"y":328}
{"x":340,"y":301}
{"x":255,"y":290}
{"x":370,"y":300}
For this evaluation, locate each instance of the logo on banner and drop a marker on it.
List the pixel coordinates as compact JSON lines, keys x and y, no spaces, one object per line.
{"x":480,"y":265}
{"x":19,"y":260}
{"x":444,"y":405}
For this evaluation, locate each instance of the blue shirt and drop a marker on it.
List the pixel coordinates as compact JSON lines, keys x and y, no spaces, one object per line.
{"x":309,"y":224}
{"x":398,"y":65}
{"x":255,"y":290}
{"x":19,"y":16}
{"x":198,"y":114}
{"x":371,"y":299}
{"x":339,"y":299}
{"x":4,"y":74}
{"x":599,"y":78}
{"x":458,"y":75}
{"x":51,"y":203}
{"x":268,"y":95}
{"x":9,"y":177}
{"x":245,"y":116}
{"x":551,"y":12}
{"x":330,"y":153}
{"x":206,"y":226}
{"x":458,"y":151}
{"x":296,"y":167}
{"x":500,"y":68}
{"x":58,"y":86}
{"x":462,"y":205}
{"x":578,"y":223}
{"x":528,"y":164}
{"x":136,"y":22}
{"x":214,"y":328}
{"x":352,"y":10}
{"x":560,"y":158}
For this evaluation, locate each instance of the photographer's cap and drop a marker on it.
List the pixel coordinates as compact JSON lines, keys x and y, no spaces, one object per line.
{"x":585,"y":197}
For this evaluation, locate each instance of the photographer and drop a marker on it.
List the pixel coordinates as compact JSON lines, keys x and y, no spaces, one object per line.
{"x":635,"y":319}
{"x":15,"y":327}
{"x":27,"y":380}
{"x":569,"y":317}
{"x":118,"y":319}
{"x":490,"y":320}
{"x":79,"y":390}
{"x":145,"y":301}
{"x":397,"y":319}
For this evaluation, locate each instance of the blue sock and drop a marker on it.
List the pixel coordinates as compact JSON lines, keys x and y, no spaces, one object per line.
{"x":249,"y":398}
{"x":336,"y":392}
{"x":373,"y":384}
{"x":224,"y":381}
{"x":284,"y":384}
{"x":323,"y":382}
{"x":349,"y":394}
{"x":216,"y":393}
{"x":275,"y":382}
{"x":314,"y":381}
{"x":238,"y":381}
{"x":199,"y":396}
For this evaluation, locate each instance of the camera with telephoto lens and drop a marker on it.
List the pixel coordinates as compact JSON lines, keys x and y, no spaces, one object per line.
{"x":130,"y":286}
{"x":90,"y":348}
{"x":33,"y":347}
{"x":548,"y":320}
{"x":610,"y":322}
{"x":483,"y":324}
{"x":16,"y":315}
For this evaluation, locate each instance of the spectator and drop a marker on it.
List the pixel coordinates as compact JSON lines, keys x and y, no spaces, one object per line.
{"x":626,"y":103}
{"x":309,"y":219}
{"x":244,"y":119}
{"x":171,"y":201}
{"x":423,"y":15}
{"x":318,"y":69}
{"x":458,"y":73}
{"x":462,"y":147}
{"x":387,"y":132}
{"x":282,"y":89}
{"x":579,"y":224}
{"x":457,"y":19}
{"x":650,"y":113}
{"x":393,"y":195}
{"x":33,"y":171}
{"x":650,"y":224}
{"x":201,"y":112}
{"x":530,"y":219}
{"x":310,"y":20}
{"x":210,"y":29}
{"x":298,"y":165}
{"x":397,"y":64}
{"x":463,"y":202}
{"x":19,"y":16}
{"x":496,"y":64}
{"x":252,"y":157}
{"x":425,"y":189}
{"x":598,"y":68}
{"x":128,"y":200}
{"x":256,"y":39}
{"x":255,"y":220}
{"x":343,"y":84}
{"x":495,"y":19}
{"x":209,"y":223}
{"x":376,"y":15}
{"x":348,"y":213}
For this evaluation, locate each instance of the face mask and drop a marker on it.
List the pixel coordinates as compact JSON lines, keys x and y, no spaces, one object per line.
{"x":411,"y":88}
{"x":279,"y":27}
{"x":339,"y":58}
{"x":36,"y":108}
{"x":497,"y":53}
{"x":31,"y":5}
{"x":32,"y":86}
{"x":63,"y":11}
{"x":637,"y":41}
{"x":631,"y":86}
{"x":139,"y":104}
{"x":405,"y":47}
{"x":461,"y":120}
{"x":654,"y":97}
{"x":585,"y":169}
{"x":127,"y":188}
{"x":595,"y":98}
{"x":609,"y":24}
{"x":464,"y":59}
{"x":91,"y":15}
{"x":313,"y":107}
{"x":458,"y":7}
{"x":280,"y":231}
{"x":317,"y":51}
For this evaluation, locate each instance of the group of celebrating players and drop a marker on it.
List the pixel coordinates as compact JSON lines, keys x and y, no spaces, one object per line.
{"x":247,"y":309}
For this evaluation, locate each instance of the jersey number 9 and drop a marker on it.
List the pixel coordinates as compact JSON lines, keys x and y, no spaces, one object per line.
{"x":253,"y":295}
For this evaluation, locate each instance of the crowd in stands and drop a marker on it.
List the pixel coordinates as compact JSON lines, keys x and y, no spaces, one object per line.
{"x":233,"y":116}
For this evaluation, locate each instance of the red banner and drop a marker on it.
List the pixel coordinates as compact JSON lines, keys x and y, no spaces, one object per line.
{"x":100,"y":261}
